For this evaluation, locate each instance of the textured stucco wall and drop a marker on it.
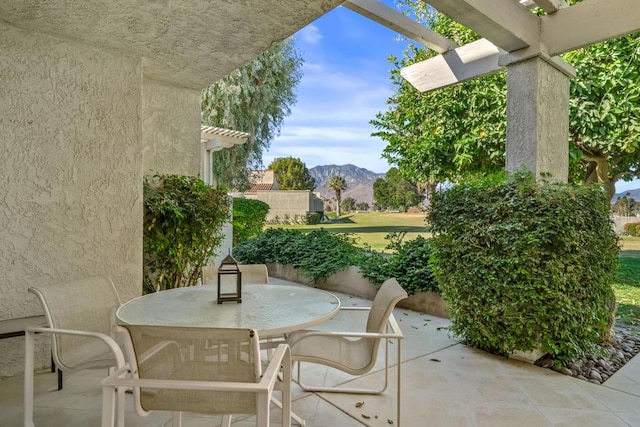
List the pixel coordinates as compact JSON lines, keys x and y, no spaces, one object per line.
{"x":170,"y":128}
{"x":286,"y":202}
{"x":538,"y":119}
{"x":189,"y":42}
{"x":71,"y":171}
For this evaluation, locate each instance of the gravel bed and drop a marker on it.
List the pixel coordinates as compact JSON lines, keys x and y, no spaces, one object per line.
{"x":599,"y":368}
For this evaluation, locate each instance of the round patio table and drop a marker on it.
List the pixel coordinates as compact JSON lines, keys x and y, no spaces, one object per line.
{"x":271,"y":310}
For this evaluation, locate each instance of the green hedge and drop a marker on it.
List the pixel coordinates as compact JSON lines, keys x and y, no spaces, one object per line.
{"x":409,"y":265}
{"x":523,"y":264}
{"x":248,"y":218}
{"x":320,"y":253}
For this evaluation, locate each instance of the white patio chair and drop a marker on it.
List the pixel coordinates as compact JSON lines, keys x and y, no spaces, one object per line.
{"x":80,"y":317}
{"x":174,"y":369}
{"x":254,"y":274}
{"x":354,"y":352}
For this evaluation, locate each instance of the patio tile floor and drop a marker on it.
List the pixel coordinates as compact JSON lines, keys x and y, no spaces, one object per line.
{"x":444,"y":383}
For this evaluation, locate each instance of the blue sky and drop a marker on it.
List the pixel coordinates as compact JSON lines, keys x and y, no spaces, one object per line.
{"x":345,"y":83}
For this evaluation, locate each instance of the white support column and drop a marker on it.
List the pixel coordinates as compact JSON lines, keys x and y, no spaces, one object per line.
{"x":538,"y":119}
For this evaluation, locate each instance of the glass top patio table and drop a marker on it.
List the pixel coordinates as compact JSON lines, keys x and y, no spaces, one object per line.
{"x":272,"y":310}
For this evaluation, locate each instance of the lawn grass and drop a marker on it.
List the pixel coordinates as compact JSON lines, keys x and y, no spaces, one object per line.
{"x":372,"y":228}
{"x":627,"y":287}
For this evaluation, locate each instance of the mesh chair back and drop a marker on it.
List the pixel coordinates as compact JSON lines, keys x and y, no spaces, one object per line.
{"x":389,"y":294}
{"x":196,"y":354}
{"x":254,"y":274}
{"x":87,"y":305}
{"x":383,"y":304}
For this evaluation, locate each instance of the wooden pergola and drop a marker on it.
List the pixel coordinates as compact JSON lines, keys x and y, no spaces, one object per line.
{"x":527,"y":46}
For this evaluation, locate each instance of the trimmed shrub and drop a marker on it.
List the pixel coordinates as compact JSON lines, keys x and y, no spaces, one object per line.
{"x":317,"y":254}
{"x":314,"y":218}
{"x":632,"y":229}
{"x":524,"y":265}
{"x":248,"y":218}
{"x":183,"y":219}
{"x":409,"y":265}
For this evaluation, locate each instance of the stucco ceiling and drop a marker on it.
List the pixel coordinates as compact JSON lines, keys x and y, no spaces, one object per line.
{"x":189,"y":42}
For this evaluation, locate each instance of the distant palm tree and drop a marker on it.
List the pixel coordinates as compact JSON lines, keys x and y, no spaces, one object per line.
{"x":337,"y":184}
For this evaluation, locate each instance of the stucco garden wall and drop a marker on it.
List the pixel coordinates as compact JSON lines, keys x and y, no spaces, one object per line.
{"x":71,"y":172}
{"x":170,"y":129}
{"x":350,"y":281}
{"x":286,"y":202}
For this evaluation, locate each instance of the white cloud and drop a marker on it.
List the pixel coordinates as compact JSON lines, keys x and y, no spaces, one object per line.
{"x":344,"y":85}
{"x":314,"y":153}
{"x":323,"y":145}
{"x":310,"y":34}
{"x":330,"y":122}
{"x":326,"y":133}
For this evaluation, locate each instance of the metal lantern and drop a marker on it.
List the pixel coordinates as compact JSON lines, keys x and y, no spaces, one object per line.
{"x":229,"y":277}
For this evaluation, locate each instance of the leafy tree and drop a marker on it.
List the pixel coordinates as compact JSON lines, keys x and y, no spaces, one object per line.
{"x":625,"y":206}
{"x":292,"y":174}
{"x":255,"y":99}
{"x":249,"y":217}
{"x":604,"y":119}
{"x":444,"y":134}
{"x":337,"y":184}
{"x":395,"y":191}
{"x":348,"y":204}
{"x":460,"y":130}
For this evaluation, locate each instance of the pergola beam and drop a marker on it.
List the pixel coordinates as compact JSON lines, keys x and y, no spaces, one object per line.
{"x":551,"y":6}
{"x":400,"y":23}
{"x":589,"y":22}
{"x":464,"y":63}
{"x":505,"y":23}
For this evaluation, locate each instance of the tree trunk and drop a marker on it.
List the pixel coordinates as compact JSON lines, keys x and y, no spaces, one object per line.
{"x":599,"y":171}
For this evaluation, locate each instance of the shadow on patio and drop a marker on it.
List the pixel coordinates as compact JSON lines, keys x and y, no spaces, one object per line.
{"x":445,"y":383}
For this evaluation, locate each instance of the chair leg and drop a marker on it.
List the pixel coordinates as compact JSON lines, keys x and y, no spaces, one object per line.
{"x":262,"y":413}
{"x":177,"y":419}
{"x":286,"y":393}
{"x":399,"y":382}
{"x":226,"y":421}
{"x":108,"y":406}
{"x":28,"y":378}
{"x":59,"y":378}
{"x":120,"y":406}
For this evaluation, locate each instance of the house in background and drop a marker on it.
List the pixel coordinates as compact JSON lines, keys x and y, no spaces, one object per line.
{"x":264,"y":180}
{"x":295,"y":205}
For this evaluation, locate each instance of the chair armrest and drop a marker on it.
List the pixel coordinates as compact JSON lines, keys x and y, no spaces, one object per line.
{"x":392,"y":324}
{"x":351,"y":334}
{"x":355,"y":308}
{"x":111,"y":381}
{"x":114,"y":381}
{"x":280,"y":358}
{"x":110,"y":342}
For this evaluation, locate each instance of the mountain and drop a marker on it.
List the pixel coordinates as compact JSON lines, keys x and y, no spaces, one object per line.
{"x":359,"y":181}
{"x":631,"y":194}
